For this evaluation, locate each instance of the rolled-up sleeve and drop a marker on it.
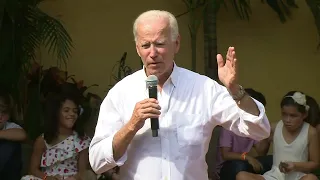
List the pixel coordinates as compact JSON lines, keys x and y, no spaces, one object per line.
{"x":225,"y":112}
{"x":109,"y":122}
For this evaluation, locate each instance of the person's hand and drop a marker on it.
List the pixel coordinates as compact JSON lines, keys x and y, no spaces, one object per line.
{"x":257,"y":167}
{"x":227,"y":70}
{"x":148,"y":108}
{"x":286,"y":167}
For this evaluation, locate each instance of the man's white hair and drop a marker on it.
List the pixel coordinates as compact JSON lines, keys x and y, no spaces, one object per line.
{"x":173,"y":24}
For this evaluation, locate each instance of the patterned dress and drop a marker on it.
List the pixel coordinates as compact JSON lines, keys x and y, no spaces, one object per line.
{"x":62,"y":158}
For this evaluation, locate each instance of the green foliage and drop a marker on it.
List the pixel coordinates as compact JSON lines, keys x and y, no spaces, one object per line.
{"x":314,"y":6}
{"x":24,"y":28}
{"x":120,"y":70}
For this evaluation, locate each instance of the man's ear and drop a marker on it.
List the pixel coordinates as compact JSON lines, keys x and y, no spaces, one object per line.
{"x":137,"y":49}
{"x":177,"y":44}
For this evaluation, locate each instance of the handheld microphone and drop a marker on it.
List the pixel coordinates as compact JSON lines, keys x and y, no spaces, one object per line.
{"x":152,"y":82}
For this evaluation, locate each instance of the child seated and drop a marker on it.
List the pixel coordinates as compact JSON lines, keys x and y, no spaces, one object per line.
{"x":232,"y":155}
{"x":295,"y":143}
{"x":11,"y":135}
{"x":61,"y":152}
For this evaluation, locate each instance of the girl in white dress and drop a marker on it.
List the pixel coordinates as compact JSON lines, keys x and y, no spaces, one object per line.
{"x":295,"y":143}
{"x":61,"y":153}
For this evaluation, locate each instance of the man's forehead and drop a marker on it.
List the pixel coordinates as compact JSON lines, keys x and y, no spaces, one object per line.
{"x":148,"y":34}
{"x":152,"y":28}
{"x":153,"y":23}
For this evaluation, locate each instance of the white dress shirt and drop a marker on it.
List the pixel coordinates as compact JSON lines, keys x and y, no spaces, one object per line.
{"x":191,"y":106}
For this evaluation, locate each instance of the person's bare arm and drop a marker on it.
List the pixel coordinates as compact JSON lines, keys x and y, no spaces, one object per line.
{"x":263,"y":146}
{"x":247,"y":104}
{"x":122,"y":139}
{"x":14,"y":134}
{"x":38,"y":148}
{"x":83,"y":163}
{"x":313,"y":147}
{"x":227,"y":154}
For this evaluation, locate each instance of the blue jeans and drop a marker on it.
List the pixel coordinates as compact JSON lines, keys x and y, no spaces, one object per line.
{"x":10,"y":160}
{"x":230,"y":169}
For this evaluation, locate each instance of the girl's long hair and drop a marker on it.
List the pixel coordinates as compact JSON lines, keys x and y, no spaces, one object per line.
{"x":52,"y":114}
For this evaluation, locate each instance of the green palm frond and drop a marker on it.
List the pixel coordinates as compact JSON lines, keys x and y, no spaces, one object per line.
{"x":53,"y":35}
{"x":28,"y":30}
{"x":242,"y":8}
{"x":314,"y":6}
{"x":23,"y":29}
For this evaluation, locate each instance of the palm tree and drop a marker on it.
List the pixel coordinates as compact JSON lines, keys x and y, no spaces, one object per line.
{"x":208,"y":14}
{"x":24,"y":28}
{"x":210,"y":8}
{"x":243,"y":10}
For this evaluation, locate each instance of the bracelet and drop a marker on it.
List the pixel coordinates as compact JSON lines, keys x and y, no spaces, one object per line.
{"x":243,"y":156}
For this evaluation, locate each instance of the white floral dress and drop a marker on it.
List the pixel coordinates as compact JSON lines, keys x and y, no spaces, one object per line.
{"x":62,"y":158}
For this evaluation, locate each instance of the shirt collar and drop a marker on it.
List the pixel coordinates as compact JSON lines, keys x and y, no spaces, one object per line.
{"x":173,"y":78}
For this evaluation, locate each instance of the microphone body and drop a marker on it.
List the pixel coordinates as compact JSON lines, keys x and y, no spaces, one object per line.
{"x":152,"y":82}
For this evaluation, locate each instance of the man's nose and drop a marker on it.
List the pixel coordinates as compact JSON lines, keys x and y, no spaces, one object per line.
{"x":153,"y":51}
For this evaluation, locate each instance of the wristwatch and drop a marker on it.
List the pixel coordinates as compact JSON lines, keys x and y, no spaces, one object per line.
{"x":240,"y":94}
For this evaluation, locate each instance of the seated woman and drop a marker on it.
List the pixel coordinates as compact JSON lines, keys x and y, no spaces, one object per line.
{"x":295,"y":143}
{"x":62,"y":151}
{"x":11,"y":135}
{"x":232,"y":156}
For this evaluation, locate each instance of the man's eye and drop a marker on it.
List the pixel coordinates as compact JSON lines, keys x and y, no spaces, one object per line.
{"x":145,"y":45}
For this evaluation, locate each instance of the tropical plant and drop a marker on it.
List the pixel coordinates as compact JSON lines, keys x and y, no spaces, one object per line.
{"x":24,"y":28}
{"x":207,"y":13}
{"x":120,"y":70}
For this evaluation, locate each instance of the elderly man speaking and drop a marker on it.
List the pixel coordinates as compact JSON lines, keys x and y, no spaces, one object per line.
{"x":189,"y":106}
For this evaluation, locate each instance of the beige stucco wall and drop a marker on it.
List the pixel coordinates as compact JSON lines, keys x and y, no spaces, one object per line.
{"x":273,"y":58}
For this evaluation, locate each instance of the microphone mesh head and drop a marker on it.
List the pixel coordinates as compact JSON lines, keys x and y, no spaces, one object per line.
{"x":152,"y":80}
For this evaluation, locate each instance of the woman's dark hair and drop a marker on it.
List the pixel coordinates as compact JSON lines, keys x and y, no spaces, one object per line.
{"x":314,"y":112}
{"x":52,"y":114}
{"x":287,"y":100}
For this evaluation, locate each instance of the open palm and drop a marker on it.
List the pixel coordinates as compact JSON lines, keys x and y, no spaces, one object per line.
{"x":227,"y":70}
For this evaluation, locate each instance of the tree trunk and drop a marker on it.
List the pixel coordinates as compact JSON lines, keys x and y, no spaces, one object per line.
{"x":194,"y":52}
{"x":211,"y":70}
{"x":210,"y":39}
